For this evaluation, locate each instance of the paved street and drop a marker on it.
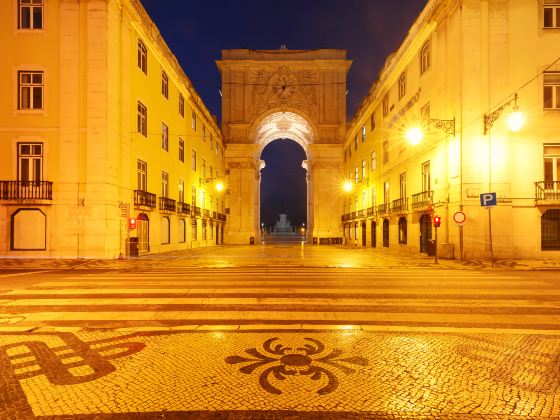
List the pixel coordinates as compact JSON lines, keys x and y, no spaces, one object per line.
{"x":278,"y":331}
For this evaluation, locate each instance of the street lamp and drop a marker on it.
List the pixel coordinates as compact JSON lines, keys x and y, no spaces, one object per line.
{"x":347,"y":186}
{"x":415,"y":134}
{"x":218,"y":186}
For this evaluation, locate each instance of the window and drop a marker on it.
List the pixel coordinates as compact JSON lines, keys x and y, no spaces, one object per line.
{"x":142,"y":119}
{"x":216,"y":149}
{"x":164,"y":137}
{"x":204,"y":133}
{"x":356,"y":174}
{"x":373,"y":197}
{"x":193,"y":120}
{"x":402,"y":85}
{"x":164,"y":85}
{"x":551,"y":14}
{"x":385,"y":151}
{"x":203,"y":168}
{"x":356,"y":142}
{"x":386,"y":105}
{"x":425,"y":116}
{"x":551,"y":90}
{"x":363,"y":133}
{"x":30,"y":162}
{"x":402,"y":181}
{"x":202,"y":199}
{"x":30,"y":90}
{"x":212,"y":172}
{"x":211,"y":142}
{"x":372,"y":121}
{"x":142,"y":57}
{"x":402,"y":230}
{"x":204,"y":230}
{"x":181,"y":192}
{"x":165,"y":184}
{"x":425,"y":57}
{"x":181,"y":105}
{"x":364,"y":169}
{"x":193,"y":229}
{"x":386,"y":195}
{"x":364,"y":200}
{"x":193,"y":195}
{"x":193,"y":160}
{"x":164,"y":230}
{"x":426,"y":182}
{"x":142,"y":171}
{"x":181,"y":150}
{"x":30,"y":14}
{"x":182,"y":230}
{"x":550,"y":230}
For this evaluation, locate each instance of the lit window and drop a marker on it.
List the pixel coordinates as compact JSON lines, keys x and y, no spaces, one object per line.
{"x":363,"y":133}
{"x":551,"y":90}
{"x":373,"y":161}
{"x":402,"y":85}
{"x":164,"y":137}
{"x":181,"y":150}
{"x":164,"y":85}
{"x":30,"y":14}
{"x":30,"y":162}
{"x":142,"y":57}
{"x":181,"y":105}
{"x":402,"y":179}
{"x":181,"y":192}
{"x":142,"y":122}
{"x":193,"y":160}
{"x":385,"y":105}
{"x":193,"y":196}
{"x":372,"y":121}
{"x":164,"y":184}
{"x":142,"y":171}
{"x":426,"y":181}
{"x":425,"y":57}
{"x":30,"y":90}
{"x":551,"y":14}
{"x":193,"y":120}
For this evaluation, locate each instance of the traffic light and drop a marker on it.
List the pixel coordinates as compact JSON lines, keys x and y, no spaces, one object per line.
{"x":131,"y":223}
{"x":437,"y":220}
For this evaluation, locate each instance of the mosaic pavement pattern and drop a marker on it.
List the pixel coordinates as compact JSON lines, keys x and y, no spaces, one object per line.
{"x":328,"y":374}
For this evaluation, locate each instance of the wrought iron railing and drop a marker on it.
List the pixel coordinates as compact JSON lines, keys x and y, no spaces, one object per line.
{"x":183,"y":208}
{"x":547,"y":191}
{"x":422,"y":199}
{"x":26,"y":190}
{"x":206,"y":212}
{"x":166,"y":204}
{"x":384,"y":208}
{"x":400,"y":205}
{"x":214,"y":215}
{"x":144,"y":198}
{"x":222,"y":217}
{"x":371,"y":212}
{"x":195,"y":211}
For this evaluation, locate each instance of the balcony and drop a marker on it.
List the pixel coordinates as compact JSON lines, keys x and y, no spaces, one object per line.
{"x":166,"y":204}
{"x":214,"y":215}
{"x":400,"y":205}
{"x":221,"y":217}
{"x":145,"y":199}
{"x":383,"y":209}
{"x":26,"y":190}
{"x":206,"y":213}
{"x":421,"y":201}
{"x":547,"y":192}
{"x":183,"y":208}
{"x":195,"y":211}
{"x":371,"y":212}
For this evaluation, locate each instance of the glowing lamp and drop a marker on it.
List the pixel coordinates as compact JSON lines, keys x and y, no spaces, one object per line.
{"x":347,"y":186}
{"x":414,"y":135}
{"x":516,"y":121}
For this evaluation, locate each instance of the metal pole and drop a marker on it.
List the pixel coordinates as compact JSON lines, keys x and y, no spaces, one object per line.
{"x":461,"y":242}
{"x":490,"y":227}
{"x":435,"y":242}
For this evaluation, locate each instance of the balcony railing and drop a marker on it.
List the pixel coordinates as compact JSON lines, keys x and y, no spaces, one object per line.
{"x":214,"y":215}
{"x":547,"y":191}
{"x":195,"y":211}
{"x":400,"y":205}
{"x":422,"y":200}
{"x":26,"y":190}
{"x":384,"y":208}
{"x":144,"y":198}
{"x":371,"y":212}
{"x":222,"y":217}
{"x":166,"y":204}
{"x":183,"y":208}
{"x":206,"y":212}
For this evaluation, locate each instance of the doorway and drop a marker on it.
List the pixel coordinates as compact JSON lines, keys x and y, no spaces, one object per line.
{"x":425,"y":232}
{"x":143,"y":231}
{"x":364,"y":234}
{"x":373,"y":234}
{"x":386,"y":233}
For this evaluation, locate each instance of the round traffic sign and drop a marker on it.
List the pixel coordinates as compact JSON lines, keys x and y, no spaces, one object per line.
{"x":459,"y":217}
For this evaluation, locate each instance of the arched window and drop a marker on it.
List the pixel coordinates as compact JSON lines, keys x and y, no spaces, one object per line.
{"x":402,"y":230}
{"x":142,"y":57}
{"x":550,"y":230}
{"x":426,"y":57}
{"x":165,"y":230}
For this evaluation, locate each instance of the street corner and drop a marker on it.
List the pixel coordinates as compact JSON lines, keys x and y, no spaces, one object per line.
{"x":101,"y":372}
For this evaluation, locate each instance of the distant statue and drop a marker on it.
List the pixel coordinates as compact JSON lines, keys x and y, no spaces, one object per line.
{"x":283,"y":226}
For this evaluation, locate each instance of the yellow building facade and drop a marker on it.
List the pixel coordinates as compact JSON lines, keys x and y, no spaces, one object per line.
{"x":461,"y":71}
{"x":106,"y":149}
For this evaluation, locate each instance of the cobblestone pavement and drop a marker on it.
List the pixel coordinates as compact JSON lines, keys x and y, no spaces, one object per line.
{"x":279,"y":333}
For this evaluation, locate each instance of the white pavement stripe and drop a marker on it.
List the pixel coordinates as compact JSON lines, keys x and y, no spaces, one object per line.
{"x":28,"y":273}
{"x":122,"y":302}
{"x":266,"y":290}
{"x":303,"y":316}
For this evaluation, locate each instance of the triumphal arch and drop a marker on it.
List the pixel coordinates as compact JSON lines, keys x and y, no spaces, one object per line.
{"x":274,"y":94}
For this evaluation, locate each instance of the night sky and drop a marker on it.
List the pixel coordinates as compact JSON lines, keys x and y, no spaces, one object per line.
{"x":196,"y":32}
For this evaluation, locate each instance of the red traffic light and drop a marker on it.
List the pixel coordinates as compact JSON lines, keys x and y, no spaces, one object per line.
{"x":132,"y":223}
{"x":437,"y":221}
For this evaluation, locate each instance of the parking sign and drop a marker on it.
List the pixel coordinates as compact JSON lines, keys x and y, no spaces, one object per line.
{"x":488,"y":199}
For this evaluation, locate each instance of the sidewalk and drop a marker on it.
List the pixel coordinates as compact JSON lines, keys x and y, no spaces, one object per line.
{"x":297,"y":255}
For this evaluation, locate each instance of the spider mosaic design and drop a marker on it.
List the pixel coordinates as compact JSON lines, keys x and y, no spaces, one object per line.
{"x":307,"y":360}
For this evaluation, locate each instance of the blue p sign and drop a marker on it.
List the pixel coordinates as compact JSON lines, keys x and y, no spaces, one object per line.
{"x":488,"y":199}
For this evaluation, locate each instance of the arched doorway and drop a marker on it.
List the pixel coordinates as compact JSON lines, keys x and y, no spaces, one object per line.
{"x":425,"y":231}
{"x":373,"y":234}
{"x":386,"y":233}
{"x":143,"y":232}
{"x":364,"y":234}
{"x":283,"y":191}
{"x":274,"y":94}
